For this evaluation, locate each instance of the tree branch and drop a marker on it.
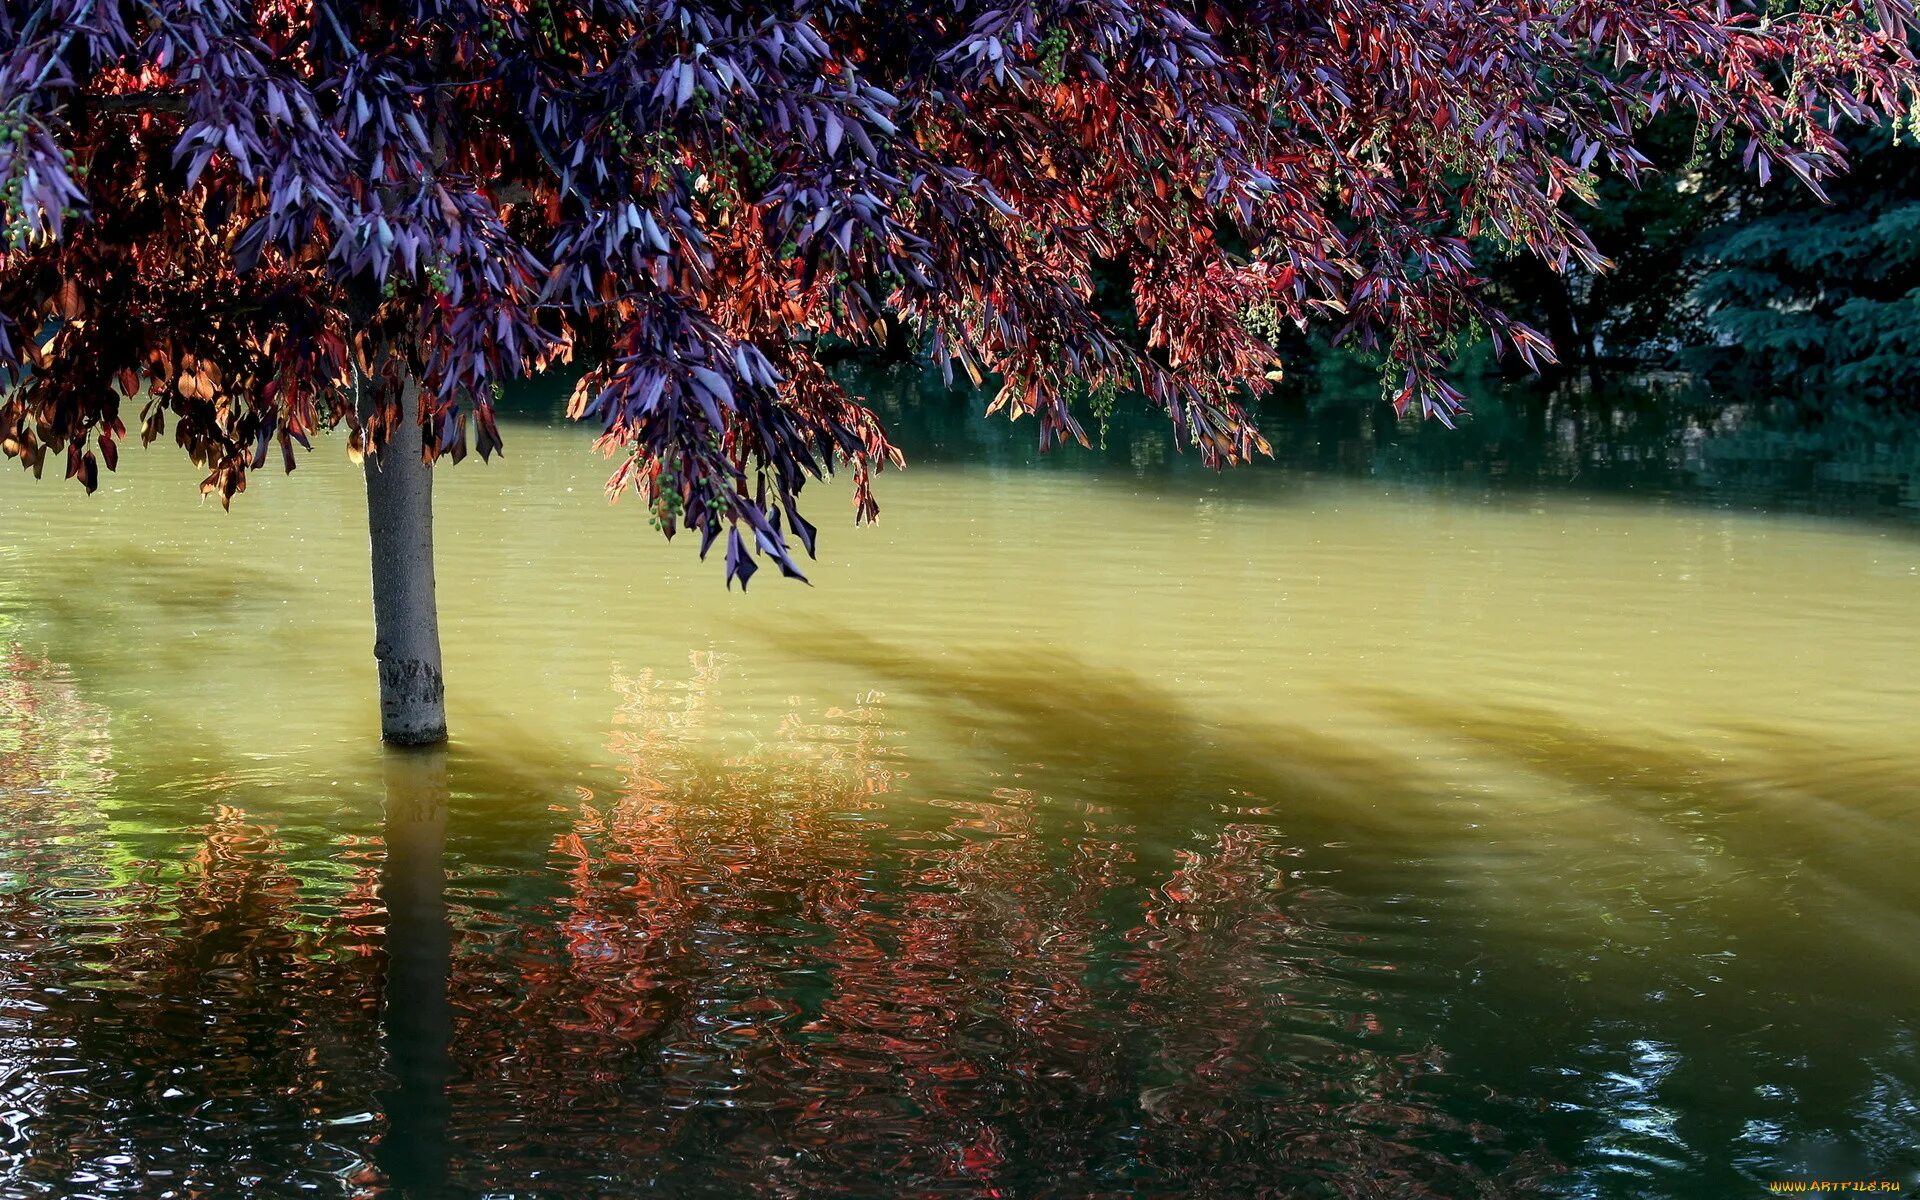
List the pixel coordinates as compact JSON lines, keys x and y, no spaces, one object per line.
{"x":158,"y":100}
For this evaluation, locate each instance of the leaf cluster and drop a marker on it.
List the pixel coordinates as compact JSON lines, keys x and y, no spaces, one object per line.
{"x":258,"y":218}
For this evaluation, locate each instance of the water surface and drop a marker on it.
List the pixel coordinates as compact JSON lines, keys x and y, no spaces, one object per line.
{"x":1530,"y":810}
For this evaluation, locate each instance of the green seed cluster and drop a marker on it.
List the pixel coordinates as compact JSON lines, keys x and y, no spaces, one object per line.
{"x":1100,"y":400}
{"x":1265,"y":321}
{"x":759,"y":167}
{"x":620,"y":132}
{"x":668,"y":505}
{"x":545,"y":23}
{"x":435,"y":278}
{"x":18,"y":226}
{"x":658,"y":160}
{"x":1053,"y":57}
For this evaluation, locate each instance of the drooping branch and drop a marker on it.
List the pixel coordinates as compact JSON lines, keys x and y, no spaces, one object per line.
{"x":702,"y":196}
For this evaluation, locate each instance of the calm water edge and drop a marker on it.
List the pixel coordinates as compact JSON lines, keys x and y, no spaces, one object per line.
{"x":1531,"y":810}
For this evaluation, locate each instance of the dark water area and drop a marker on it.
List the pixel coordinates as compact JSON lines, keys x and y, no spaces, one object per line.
{"x":1657,"y":441}
{"x":1526,"y":810}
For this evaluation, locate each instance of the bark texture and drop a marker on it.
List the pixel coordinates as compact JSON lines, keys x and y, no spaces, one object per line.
{"x":406,"y":620}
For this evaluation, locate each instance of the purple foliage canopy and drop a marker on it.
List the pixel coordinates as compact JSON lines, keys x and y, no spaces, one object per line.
{"x":223,"y":211}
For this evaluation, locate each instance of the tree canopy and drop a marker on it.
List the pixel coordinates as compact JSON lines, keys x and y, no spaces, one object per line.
{"x":226,"y":214}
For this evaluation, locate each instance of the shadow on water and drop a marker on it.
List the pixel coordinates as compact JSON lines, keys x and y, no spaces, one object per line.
{"x":1113,"y":948}
{"x":763,"y":972}
{"x":1121,"y":738}
{"x":1709,"y":939}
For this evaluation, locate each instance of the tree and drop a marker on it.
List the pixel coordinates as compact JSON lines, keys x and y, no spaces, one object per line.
{"x":1639,"y":309}
{"x":1816,"y":302}
{"x":255,"y":219}
{"x":1753,"y":288}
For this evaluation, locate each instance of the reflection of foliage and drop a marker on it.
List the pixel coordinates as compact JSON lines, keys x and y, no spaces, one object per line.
{"x":1643,"y":904}
{"x":1652,"y":438}
{"x":1676,"y":442}
{"x":1841,"y":454}
{"x":964,"y":993}
{"x":49,"y":737}
{"x":181,"y":1028}
{"x":1122,"y":949}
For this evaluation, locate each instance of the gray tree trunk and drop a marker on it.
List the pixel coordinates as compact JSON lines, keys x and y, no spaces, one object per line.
{"x":406,"y":622}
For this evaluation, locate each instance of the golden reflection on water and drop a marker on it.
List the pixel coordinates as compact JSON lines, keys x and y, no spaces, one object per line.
{"x":1077,"y":834}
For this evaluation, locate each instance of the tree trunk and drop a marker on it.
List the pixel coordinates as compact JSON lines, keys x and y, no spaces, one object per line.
{"x":406,"y":622}
{"x":416,"y":1019}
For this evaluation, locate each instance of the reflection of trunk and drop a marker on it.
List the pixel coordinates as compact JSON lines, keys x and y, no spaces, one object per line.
{"x":416,"y":1020}
{"x":405,"y":623}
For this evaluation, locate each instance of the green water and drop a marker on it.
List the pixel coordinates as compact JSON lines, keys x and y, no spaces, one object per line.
{"x":1529,"y":810}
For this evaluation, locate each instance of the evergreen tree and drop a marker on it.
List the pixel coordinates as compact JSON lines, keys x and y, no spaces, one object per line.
{"x":1820,"y":300}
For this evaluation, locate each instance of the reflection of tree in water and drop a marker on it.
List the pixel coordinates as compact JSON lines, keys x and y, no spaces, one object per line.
{"x":1678,"y":963}
{"x":166,"y":1026}
{"x":49,"y":737}
{"x":763,"y":978}
{"x":822,"y":963}
{"x":1656,"y":438}
{"x":767,"y":972}
{"x":1676,"y":442}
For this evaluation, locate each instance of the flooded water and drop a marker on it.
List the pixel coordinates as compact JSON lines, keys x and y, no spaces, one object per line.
{"x":1529,"y":810}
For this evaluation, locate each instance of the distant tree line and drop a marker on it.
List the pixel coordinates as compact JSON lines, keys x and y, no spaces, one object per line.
{"x":1751,"y":287}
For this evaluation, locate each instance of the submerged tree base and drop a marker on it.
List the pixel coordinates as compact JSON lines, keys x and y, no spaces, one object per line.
{"x":412,"y":701}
